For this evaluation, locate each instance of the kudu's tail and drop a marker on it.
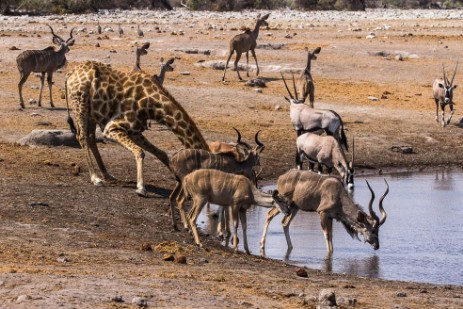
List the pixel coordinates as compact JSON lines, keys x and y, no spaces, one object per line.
{"x":70,"y":121}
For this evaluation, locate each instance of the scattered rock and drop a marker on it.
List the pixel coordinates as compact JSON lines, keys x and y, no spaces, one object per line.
{"x":14,"y":48}
{"x":401,"y":294}
{"x":258,"y":90}
{"x":243,"y":303}
{"x":402,"y":149}
{"x":256,"y":82}
{"x":32,"y":102}
{"x":370,"y":36}
{"x":185,"y":73}
{"x":62,"y":259}
{"x":34,"y":204}
{"x":278,"y":107}
{"x":168,"y":257}
{"x":146,"y":247}
{"x":180,"y":259}
{"x":23,"y":298}
{"x":113,"y":51}
{"x":140,"y":302}
{"x":301,"y":272}
{"x":372,"y":98}
{"x":117,"y":299}
{"x":326,"y":299}
{"x":270,"y":46}
{"x":194,"y":51}
{"x":97,"y":44}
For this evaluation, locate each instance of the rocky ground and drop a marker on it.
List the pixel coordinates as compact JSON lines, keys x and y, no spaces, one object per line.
{"x":66,"y":243}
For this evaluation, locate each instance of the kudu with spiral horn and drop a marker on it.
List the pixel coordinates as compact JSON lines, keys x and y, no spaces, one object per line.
{"x":43,"y":61}
{"x":308,"y":191}
{"x":442,"y":90}
{"x":186,"y":161}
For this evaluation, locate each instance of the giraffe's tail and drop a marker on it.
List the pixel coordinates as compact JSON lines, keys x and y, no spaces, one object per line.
{"x":70,"y":121}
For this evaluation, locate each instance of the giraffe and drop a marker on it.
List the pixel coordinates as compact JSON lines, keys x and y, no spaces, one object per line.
{"x":122,"y":104}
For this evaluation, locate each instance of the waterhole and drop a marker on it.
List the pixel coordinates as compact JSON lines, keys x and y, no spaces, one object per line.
{"x":421,"y":240}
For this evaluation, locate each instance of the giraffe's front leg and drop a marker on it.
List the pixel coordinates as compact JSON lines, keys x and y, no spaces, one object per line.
{"x":121,"y":136}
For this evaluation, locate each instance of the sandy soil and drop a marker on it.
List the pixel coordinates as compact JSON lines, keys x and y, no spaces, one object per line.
{"x":66,"y":243}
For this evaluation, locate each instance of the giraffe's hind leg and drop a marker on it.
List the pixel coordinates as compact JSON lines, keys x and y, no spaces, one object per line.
{"x":91,"y":141}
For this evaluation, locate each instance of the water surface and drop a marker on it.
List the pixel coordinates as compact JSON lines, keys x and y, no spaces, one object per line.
{"x":421,"y":240}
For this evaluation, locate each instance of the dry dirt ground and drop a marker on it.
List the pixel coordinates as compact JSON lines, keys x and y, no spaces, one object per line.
{"x":66,"y":243}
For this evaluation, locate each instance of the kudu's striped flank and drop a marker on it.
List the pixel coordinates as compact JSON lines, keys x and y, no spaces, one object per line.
{"x":43,"y":61}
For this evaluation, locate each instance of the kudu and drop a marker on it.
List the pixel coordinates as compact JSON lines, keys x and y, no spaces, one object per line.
{"x":243,"y":43}
{"x":43,"y":61}
{"x":305,"y":83}
{"x":307,"y":119}
{"x":309,"y":191}
{"x":442,"y":90}
{"x":188,"y":160}
{"x":165,"y":67}
{"x":140,"y":51}
{"x":326,"y":151}
{"x":227,"y":190}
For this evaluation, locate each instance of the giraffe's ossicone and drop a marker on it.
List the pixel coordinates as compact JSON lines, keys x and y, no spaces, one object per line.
{"x":122,"y":104}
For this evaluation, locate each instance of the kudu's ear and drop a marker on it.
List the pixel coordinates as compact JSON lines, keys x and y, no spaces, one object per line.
{"x":317,"y":50}
{"x":265,"y":16}
{"x":170,"y":61}
{"x":56,"y":41}
{"x":70,"y":42}
{"x":146,"y":45}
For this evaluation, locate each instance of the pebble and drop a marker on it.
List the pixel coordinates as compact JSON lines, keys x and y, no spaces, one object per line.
{"x":140,"y":302}
{"x":23,"y":298}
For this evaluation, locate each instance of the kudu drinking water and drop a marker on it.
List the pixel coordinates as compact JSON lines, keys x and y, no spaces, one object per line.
{"x":43,"y":61}
{"x":307,"y":119}
{"x":243,"y":43}
{"x":326,"y":151}
{"x":227,"y":190}
{"x":305,"y":83}
{"x":308,"y":191}
{"x":442,"y":90}
{"x":188,"y":160}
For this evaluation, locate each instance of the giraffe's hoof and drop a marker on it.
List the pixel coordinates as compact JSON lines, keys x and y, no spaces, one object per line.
{"x":142,"y":192}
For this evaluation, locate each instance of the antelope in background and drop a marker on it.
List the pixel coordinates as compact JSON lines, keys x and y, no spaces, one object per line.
{"x":308,"y":191}
{"x":186,"y":161}
{"x":307,"y":119}
{"x":43,"y":61}
{"x":165,"y":67}
{"x":140,"y":51}
{"x":442,"y":90}
{"x":326,"y":151}
{"x":305,"y":83}
{"x":227,"y":190}
{"x":243,"y":43}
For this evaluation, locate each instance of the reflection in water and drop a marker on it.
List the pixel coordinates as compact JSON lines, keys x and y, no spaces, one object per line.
{"x":422,"y":239}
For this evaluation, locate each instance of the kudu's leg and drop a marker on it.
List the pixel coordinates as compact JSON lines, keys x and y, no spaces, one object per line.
{"x":173,"y":197}
{"x":327,"y":226}
{"x":42,"y":81}
{"x":22,"y":80}
{"x":451,"y":113}
{"x":237,"y":59}
{"x":244,"y":226}
{"x":180,"y":202}
{"x":247,"y":63}
{"x":50,"y":83}
{"x":285,"y":222}
{"x":226,"y":64}
{"x":255,"y":58}
{"x":270,"y":215}
{"x":235,"y":210}
{"x":198,"y":204}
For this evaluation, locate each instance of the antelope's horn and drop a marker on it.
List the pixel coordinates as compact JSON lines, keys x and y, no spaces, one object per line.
{"x":294,"y":86}
{"x":238,"y":141}
{"x":54,"y":35}
{"x":381,"y":209}
{"x":455,"y":72}
{"x":370,"y":204}
{"x":259,"y":143}
{"x":445,"y":78}
{"x":286,"y":85}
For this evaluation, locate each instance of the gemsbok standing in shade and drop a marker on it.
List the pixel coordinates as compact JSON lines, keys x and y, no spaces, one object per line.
{"x":43,"y":61}
{"x":307,"y":119}
{"x":442,"y":90}
{"x":309,"y":191}
{"x":243,"y":43}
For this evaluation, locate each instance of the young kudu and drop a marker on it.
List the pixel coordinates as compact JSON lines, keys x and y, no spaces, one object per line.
{"x":140,"y":51}
{"x":442,"y":90}
{"x":305,"y":83}
{"x":165,"y":67}
{"x":308,"y":191}
{"x":243,"y":43}
{"x":43,"y":61}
